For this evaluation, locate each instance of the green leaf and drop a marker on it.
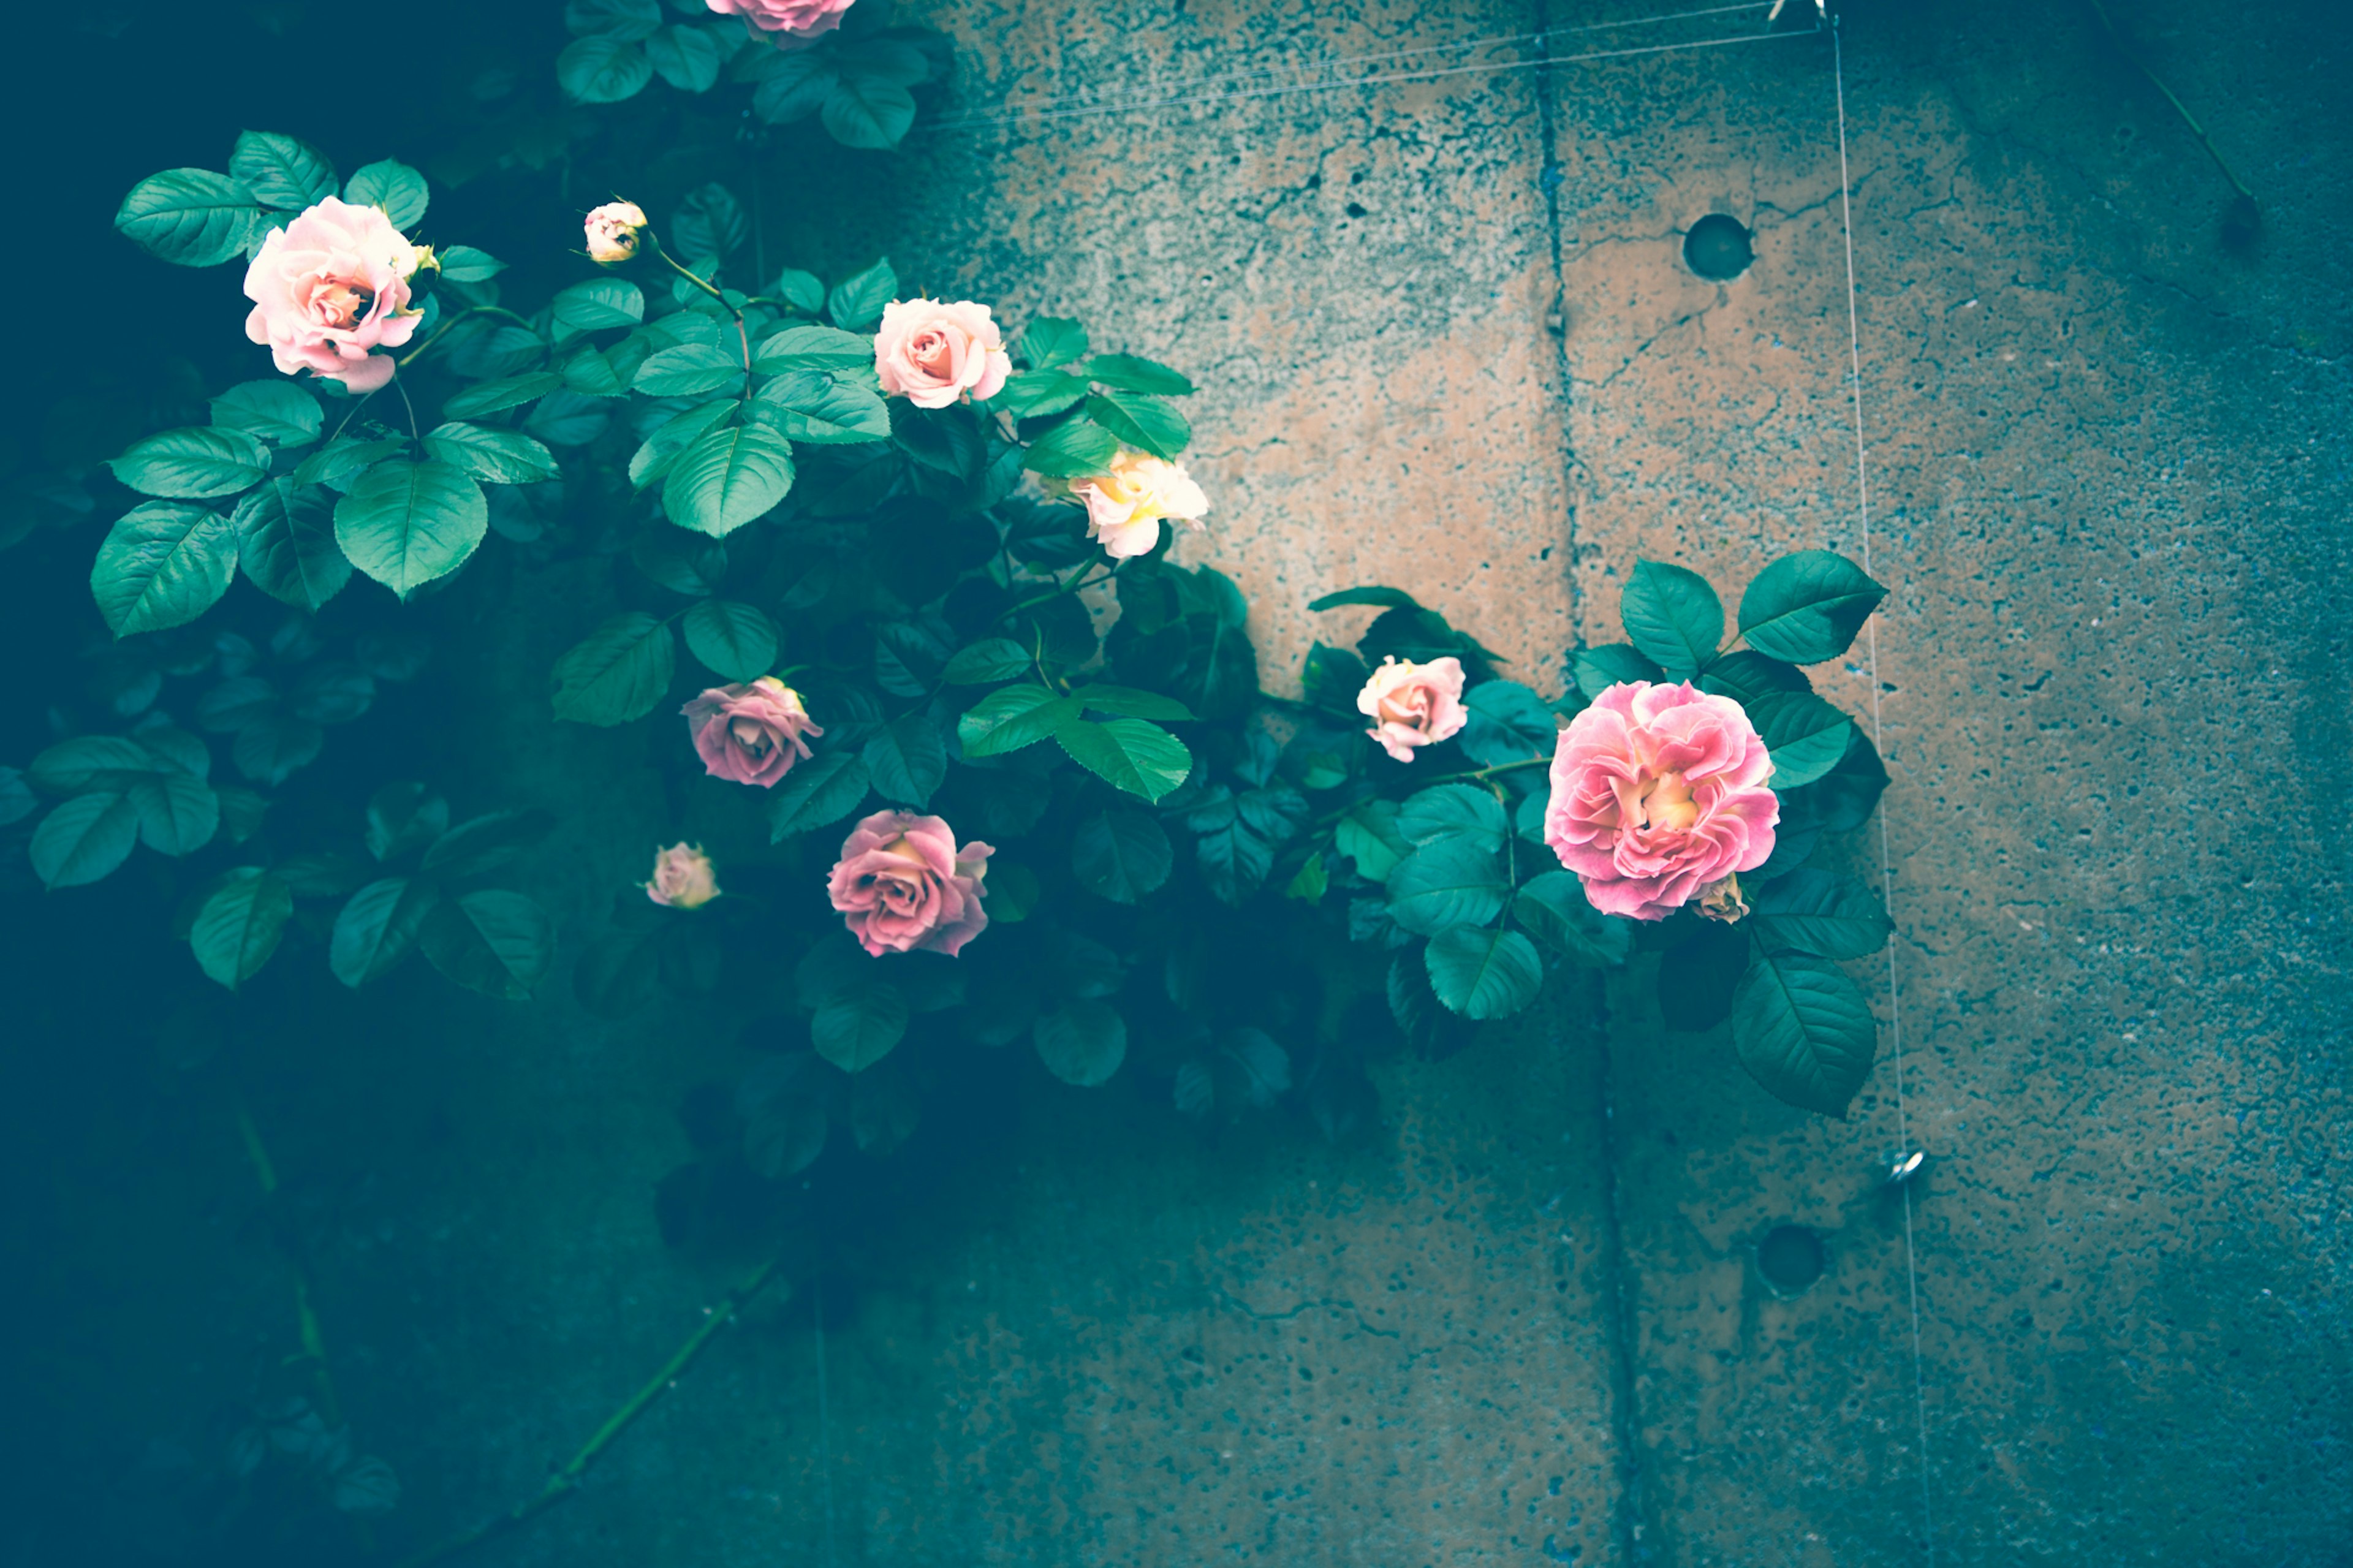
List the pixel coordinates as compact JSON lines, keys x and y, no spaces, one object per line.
{"x":987,"y":662}
{"x":191,"y":217}
{"x":498,"y":457}
{"x":1332,"y":677}
{"x":624,"y":20}
{"x":1051,"y":340}
{"x":497,"y":942}
{"x":1553,"y":906}
{"x":341,"y":461}
{"x":276,"y":411}
{"x":1454,"y":811}
{"x":822,"y":790}
{"x":823,"y":408}
{"x":195,"y":464}
{"x":906,"y":761}
{"x":274,"y":744}
{"x":734,"y":639}
{"x":1507,"y":723}
{"x":1034,"y":394}
{"x":1673,"y":617}
{"x":163,"y":565}
{"x":1010,"y":718}
{"x":282,"y":171}
{"x":1311,"y":881}
{"x":1384,"y":598}
{"x":466,"y":264}
{"x":406,"y":523}
{"x":1127,"y":753}
{"x":1450,"y":882}
{"x":690,"y":370}
{"x":654,"y":459}
{"x":1817,"y":912}
{"x":1597,"y":670}
{"x":84,"y":839}
{"x":238,"y":928}
{"x":498,"y":396}
{"x":617,"y":673}
{"x":855,"y":1029}
{"x":1483,"y":975}
{"x":804,"y":291}
{"x":727,"y":479}
{"x":1127,"y":373}
{"x":1804,"y":735}
{"x":108,"y":762}
{"x":1804,"y":1031}
{"x":378,"y":926}
{"x":1744,"y":674}
{"x":1121,"y":854}
{"x":1142,"y":420}
{"x":1842,"y":798}
{"x":687,"y":57}
{"x":792,"y":85}
{"x":1128,"y":703}
{"x":814,"y":348}
{"x":1073,"y":449}
{"x":598,"y":305}
{"x":178,"y":814}
{"x":1368,"y":835}
{"x":1082,"y":1043}
{"x":1806,"y":607}
{"x":602,"y":70}
{"x":392,"y":185}
{"x":885,"y":57}
{"x":856,"y":302}
{"x":868,"y":112}
{"x":481,"y":843}
{"x":402,"y":817}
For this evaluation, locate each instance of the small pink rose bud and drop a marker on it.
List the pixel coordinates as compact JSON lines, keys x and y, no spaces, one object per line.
{"x":1126,"y":506}
{"x":683,"y":877}
{"x":1722,"y":901}
{"x":613,"y":231}
{"x":1413,"y":705}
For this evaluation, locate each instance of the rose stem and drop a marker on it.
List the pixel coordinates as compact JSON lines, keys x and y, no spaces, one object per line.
{"x":565,"y":1481}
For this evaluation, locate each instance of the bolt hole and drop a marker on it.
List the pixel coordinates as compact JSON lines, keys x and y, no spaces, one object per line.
{"x":1790,"y":1257}
{"x":1717,"y":249}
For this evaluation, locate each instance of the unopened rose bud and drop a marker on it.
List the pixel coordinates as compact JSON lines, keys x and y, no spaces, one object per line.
{"x":683,"y":877}
{"x":1722,"y":901}
{"x":613,"y":231}
{"x":425,"y":260}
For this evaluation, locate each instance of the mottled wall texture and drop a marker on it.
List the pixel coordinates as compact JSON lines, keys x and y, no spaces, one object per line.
{"x":1445,"y":339}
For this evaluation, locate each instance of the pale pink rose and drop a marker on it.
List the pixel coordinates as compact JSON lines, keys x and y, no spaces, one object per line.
{"x":789,"y":23}
{"x":1658,"y":794}
{"x":902,"y":885}
{"x":751,"y":735}
{"x":933,"y":352}
{"x":682,"y":878}
{"x":1125,"y":506}
{"x":329,"y":287}
{"x":1413,"y":704}
{"x":614,"y":230}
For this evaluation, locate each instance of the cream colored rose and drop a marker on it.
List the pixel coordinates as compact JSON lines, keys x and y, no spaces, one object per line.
{"x":683,"y":877}
{"x":1126,"y":506}
{"x":1413,"y":705}
{"x":613,"y":231}
{"x":933,"y":352}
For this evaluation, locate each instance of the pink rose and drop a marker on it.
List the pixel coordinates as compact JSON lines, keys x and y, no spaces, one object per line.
{"x":1658,"y":794}
{"x":1413,"y":704}
{"x":1125,"y":506}
{"x":791,"y":21}
{"x":328,"y":288}
{"x":901,"y":884}
{"x":932,"y":353}
{"x":683,"y":877}
{"x":751,"y":735}
{"x":613,"y":231}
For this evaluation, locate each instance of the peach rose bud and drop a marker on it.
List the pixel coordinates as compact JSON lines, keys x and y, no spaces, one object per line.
{"x":750,"y":734}
{"x":1126,"y":506}
{"x":1722,"y":901}
{"x":934,"y":352}
{"x":683,"y":877}
{"x":902,"y":884}
{"x":1413,"y":705}
{"x":331,"y":288}
{"x":613,"y":231}
{"x":1659,"y":798}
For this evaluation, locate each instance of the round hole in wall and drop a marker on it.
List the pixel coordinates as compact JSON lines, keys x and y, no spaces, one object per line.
{"x":1717,"y":247}
{"x":1791,"y":1258}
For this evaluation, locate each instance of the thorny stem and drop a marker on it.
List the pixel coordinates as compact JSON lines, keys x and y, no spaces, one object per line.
{"x":741,"y":331}
{"x":443,"y":330}
{"x":314,"y":1343}
{"x":1074,"y":585}
{"x":413,"y":436}
{"x":2179,"y":106}
{"x":352,"y":414}
{"x":565,"y":1481}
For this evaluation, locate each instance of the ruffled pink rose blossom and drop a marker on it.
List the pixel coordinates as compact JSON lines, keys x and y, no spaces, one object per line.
{"x":751,"y":735}
{"x":613,"y":231}
{"x":683,"y":877}
{"x":1658,"y":795}
{"x":1125,"y":506}
{"x":329,"y":287}
{"x":902,"y":885}
{"x":933,"y":352}
{"x":1413,"y":705}
{"x":788,"y":23}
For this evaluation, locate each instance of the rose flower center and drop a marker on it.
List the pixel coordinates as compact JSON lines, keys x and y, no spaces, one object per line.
{"x":1667,"y":803}
{"x":932,"y":350}
{"x":751,"y":735}
{"x":344,"y":305}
